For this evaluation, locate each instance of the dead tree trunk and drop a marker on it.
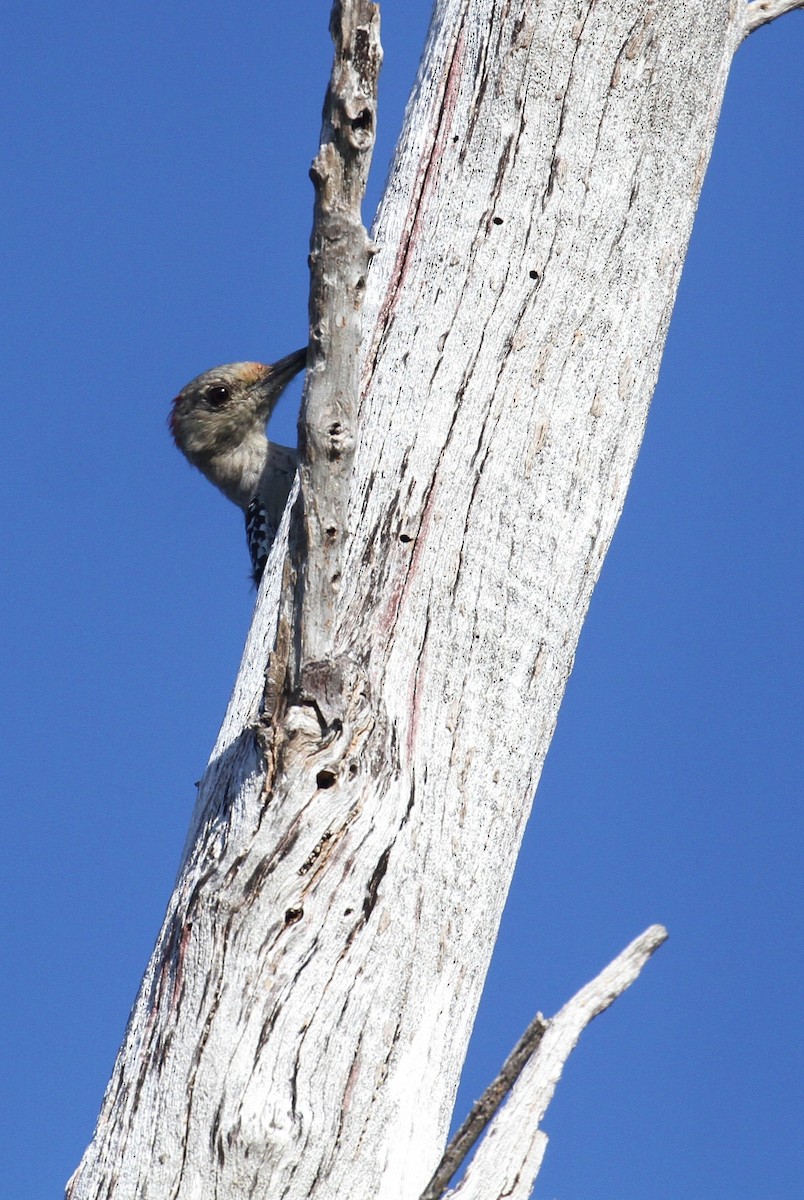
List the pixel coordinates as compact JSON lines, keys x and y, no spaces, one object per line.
{"x":303,"y":1021}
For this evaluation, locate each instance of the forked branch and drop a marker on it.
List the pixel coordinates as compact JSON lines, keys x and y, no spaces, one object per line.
{"x":510,"y":1154}
{"x":484,"y":1109}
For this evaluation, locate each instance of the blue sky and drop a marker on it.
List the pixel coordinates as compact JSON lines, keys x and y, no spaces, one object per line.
{"x":155,"y":222}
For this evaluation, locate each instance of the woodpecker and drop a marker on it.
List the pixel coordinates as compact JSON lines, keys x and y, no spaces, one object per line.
{"x":218,"y":422}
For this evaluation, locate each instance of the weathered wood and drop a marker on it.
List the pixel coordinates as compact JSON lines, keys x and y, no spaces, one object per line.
{"x":340,"y":253}
{"x":484,"y":1110}
{"x":762,"y":12}
{"x":510,"y":1154}
{"x":302,"y":1023}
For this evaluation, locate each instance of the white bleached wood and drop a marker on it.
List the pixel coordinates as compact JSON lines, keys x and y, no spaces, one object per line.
{"x":508,"y":1159}
{"x":761,"y":12}
{"x":483,"y":1110}
{"x":303,"y":1020}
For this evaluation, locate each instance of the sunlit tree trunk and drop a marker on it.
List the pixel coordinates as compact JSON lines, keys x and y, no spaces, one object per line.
{"x":303,"y":1021}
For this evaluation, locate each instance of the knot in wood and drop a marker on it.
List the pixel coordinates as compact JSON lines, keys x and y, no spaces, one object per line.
{"x":324,"y":164}
{"x":356,"y":121}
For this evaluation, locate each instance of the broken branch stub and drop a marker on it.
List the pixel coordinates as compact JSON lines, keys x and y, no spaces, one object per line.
{"x":340,"y":252}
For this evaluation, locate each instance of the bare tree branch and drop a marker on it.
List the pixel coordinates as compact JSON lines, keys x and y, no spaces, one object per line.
{"x":509,"y":1157}
{"x":340,"y":252}
{"x":484,"y":1109}
{"x":762,"y":12}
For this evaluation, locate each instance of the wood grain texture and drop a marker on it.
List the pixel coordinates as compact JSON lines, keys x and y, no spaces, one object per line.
{"x":340,"y":253}
{"x":508,"y":1159}
{"x":303,"y":1020}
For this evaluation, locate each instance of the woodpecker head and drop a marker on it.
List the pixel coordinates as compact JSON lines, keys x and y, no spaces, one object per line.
{"x":218,"y":422}
{"x":219,"y":410}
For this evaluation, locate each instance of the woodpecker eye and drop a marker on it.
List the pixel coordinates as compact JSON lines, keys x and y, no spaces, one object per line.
{"x":218,"y":395}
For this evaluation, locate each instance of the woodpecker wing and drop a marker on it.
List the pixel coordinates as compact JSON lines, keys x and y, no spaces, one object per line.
{"x":260,"y":535}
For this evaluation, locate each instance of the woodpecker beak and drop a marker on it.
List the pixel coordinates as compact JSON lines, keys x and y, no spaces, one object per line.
{"x":280,"y":373}
{"x":269,"y":380}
